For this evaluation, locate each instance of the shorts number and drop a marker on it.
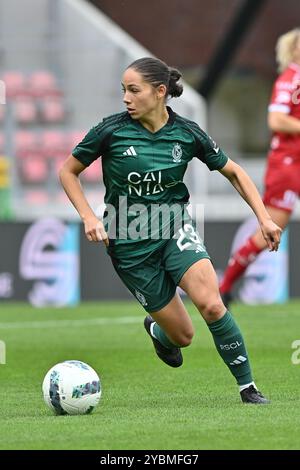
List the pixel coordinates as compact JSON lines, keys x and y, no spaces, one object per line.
{"x":190,"y":233}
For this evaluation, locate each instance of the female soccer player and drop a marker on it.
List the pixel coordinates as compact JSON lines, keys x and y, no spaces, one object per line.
{"x":282,"y":178}
{"x":156,"y":247}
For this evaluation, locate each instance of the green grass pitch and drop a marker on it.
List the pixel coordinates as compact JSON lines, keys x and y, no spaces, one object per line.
{"x":145,"y":404}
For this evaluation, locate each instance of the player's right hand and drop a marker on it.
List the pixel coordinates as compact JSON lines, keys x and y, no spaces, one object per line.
{"x":94,"y":230}
{"x":271,"y":233}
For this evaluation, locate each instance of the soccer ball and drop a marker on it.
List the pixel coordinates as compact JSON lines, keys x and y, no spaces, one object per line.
{"x":71,"y":388}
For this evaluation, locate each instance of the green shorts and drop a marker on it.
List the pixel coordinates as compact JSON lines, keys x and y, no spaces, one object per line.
{"x":153,"y":281}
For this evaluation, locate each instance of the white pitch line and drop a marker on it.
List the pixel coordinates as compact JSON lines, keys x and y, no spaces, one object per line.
{"x":70,"y":323}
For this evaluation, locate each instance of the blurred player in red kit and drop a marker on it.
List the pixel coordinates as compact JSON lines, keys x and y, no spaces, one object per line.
{"x":282,"y":177}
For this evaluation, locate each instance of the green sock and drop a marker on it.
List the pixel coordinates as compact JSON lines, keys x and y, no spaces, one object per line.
{"x":159,"y":334}
{"x":230,"y":345}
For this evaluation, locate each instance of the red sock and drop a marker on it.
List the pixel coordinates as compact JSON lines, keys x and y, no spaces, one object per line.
{"x":238,"y":263}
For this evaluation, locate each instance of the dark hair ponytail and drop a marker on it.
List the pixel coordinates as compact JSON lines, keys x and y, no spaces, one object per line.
{"x":174,"y":89}
{"x":156,"y":72}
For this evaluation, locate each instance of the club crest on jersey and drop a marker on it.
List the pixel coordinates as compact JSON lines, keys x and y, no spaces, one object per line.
{"x":177,"y":153}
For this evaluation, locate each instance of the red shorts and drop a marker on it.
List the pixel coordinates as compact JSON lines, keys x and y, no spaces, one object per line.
{"x":282,"y":183}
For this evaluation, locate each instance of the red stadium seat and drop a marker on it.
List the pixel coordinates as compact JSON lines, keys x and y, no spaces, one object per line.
{"x":27,"y":144}
{"x":33,"y":169}
{"x":31,"y":163}
{"x":52,"y":110}
{"x":25,"y":110}
{"x":43,"y":83}
{"x":15,"y":83}
{"x":54,"y":144}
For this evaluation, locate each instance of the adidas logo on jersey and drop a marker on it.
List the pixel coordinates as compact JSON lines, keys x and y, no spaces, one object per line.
{"x":130,"y":151}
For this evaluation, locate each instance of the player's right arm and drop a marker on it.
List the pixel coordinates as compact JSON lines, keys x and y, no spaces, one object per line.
{"x":69,"y":178}
{"x":284,"y":99}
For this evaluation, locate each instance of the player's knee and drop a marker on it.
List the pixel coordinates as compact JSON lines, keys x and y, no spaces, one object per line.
{"x":183,"y":338}
{"x":213,"y":310}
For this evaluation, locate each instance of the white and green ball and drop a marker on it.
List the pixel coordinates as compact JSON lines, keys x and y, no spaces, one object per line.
{"x":72,"y":388}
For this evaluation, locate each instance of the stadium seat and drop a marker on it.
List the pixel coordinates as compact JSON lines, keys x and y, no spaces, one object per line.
{"x":54,"y":144}
{"x":33,"y":169}
{"x":52,"y":110}
{"x":43,"y":83}
{"x":31,"y":163}
{"x":25,"y":110}
{"x":27,"y":144}
{"x":15,"y":83}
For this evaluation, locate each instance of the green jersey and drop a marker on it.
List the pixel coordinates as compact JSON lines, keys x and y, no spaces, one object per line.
{"x":142,"y":171}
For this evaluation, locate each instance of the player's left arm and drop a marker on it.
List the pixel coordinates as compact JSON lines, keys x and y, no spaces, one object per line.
{"x":281,"y":122}
{"x":247,"y":189}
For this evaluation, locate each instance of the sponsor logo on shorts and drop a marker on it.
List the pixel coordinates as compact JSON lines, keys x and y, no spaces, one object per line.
{"x":141,"y":298}
{"x":287,"y":202}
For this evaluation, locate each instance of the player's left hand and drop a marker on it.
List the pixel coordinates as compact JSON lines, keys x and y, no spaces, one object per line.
{"x":271,"y":233}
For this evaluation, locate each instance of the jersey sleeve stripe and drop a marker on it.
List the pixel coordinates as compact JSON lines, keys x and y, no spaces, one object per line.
{"x":280,"y":108}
